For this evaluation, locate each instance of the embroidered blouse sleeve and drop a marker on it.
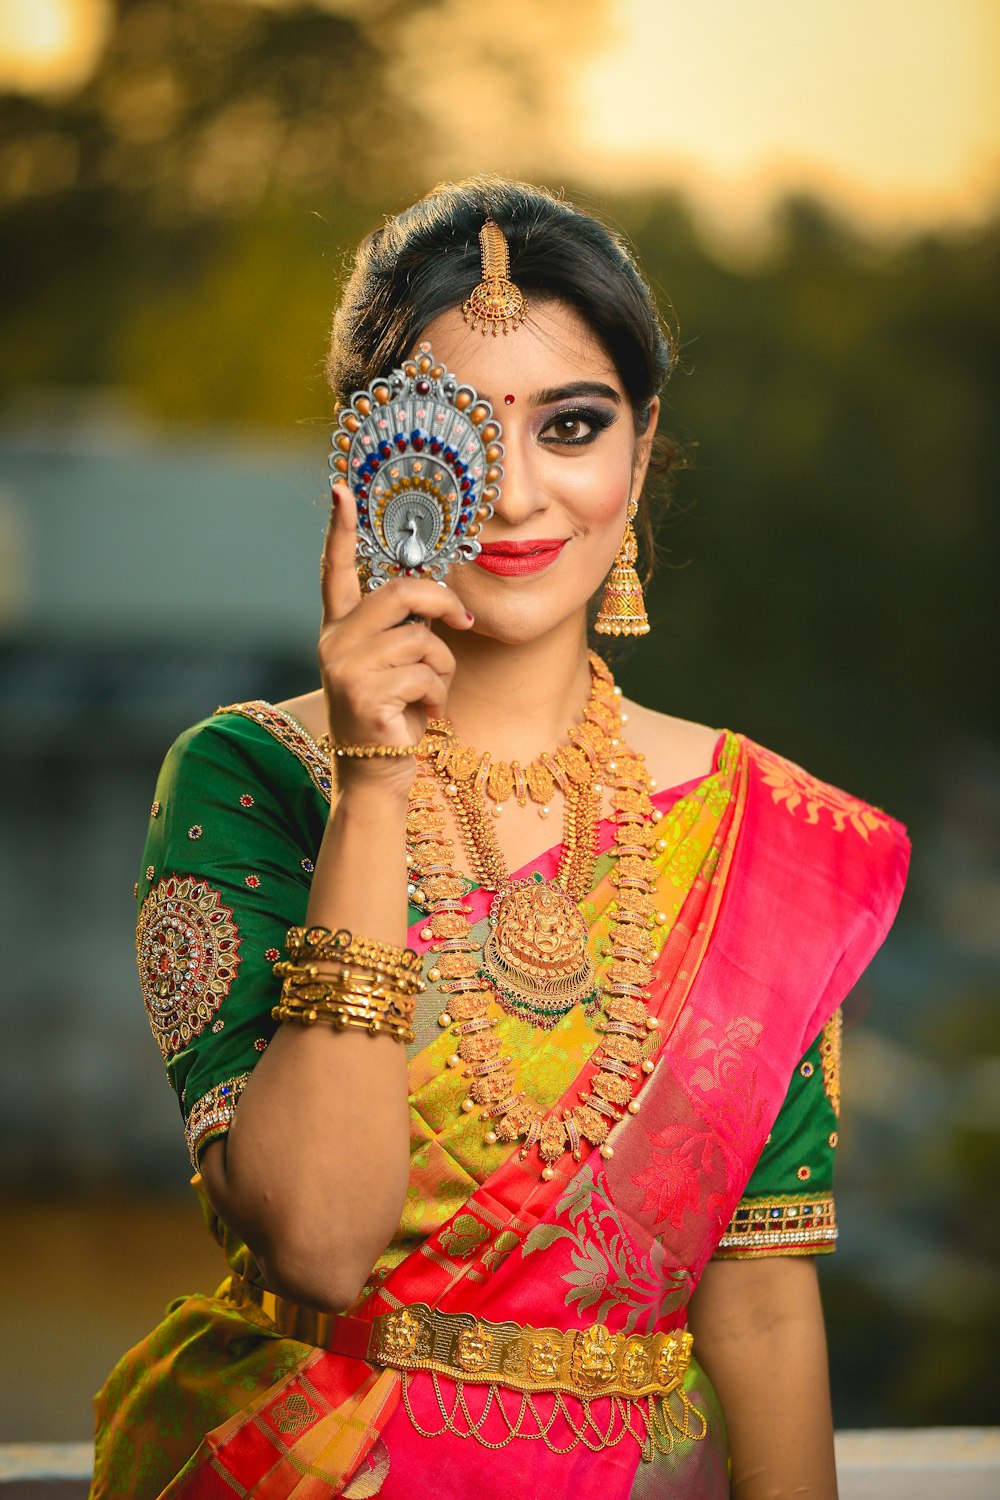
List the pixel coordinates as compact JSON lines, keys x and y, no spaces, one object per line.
{"x":226,"y":870}
{"x":788,"y":1206}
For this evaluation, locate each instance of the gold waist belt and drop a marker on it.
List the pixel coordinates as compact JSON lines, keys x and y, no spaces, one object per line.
{"x":586,"y":1362}
{"x":642,"y":1375}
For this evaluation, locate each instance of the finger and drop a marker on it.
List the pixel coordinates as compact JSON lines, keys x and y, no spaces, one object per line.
{"x":406,"y":644}
{"x":404,"y":598}
{"x":412,"y":685}
{"x":341,"y":590}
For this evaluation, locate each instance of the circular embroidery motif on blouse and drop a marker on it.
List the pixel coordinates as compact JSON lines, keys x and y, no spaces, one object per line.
{"x":186,"y":945}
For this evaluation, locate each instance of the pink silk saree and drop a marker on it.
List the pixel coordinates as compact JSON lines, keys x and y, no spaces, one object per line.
{"x":776,"y":892}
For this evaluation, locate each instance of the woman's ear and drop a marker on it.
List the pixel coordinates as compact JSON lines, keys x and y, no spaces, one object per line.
{"x":644,"y":447}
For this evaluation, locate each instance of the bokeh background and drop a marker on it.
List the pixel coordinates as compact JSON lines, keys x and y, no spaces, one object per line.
{"x":814,"y":192}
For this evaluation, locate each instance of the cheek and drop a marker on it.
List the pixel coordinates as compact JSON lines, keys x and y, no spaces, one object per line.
{"x":598,"y":497}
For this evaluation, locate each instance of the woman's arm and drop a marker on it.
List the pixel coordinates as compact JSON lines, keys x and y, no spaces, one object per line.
{"x":758,"y":1331}
{"x":313,"y":1172}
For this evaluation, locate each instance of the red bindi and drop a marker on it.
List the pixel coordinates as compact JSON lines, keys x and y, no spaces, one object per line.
{"x":508,"y":401}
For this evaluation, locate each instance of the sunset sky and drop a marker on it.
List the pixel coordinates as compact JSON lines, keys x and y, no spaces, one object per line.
{"x":890,"y":108}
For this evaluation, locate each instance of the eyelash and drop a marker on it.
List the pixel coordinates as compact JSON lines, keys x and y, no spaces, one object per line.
{"x":597,"y":418}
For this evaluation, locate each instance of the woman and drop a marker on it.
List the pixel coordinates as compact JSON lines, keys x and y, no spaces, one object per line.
{"x":472,"y":1262}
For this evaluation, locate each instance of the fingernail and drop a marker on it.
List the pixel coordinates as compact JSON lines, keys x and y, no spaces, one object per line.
{"x":469,"y":617}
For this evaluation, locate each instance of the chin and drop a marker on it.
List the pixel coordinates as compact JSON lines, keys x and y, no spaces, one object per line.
{"x":519,"y":625}
{"x":508,"y":612}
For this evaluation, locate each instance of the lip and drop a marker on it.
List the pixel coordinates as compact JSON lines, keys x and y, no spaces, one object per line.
{"x":511,"y":558}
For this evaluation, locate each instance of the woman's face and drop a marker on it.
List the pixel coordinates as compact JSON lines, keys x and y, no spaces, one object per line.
{"x":572,"y":462}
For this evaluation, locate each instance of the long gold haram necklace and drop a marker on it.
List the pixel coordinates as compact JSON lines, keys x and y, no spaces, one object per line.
{"x":535,"y":956}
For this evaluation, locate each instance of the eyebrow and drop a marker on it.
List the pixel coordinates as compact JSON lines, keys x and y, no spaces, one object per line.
{"x":574,"y":388}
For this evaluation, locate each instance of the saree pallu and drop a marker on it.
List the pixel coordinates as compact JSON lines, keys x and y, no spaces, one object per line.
{"x":776,"y":890}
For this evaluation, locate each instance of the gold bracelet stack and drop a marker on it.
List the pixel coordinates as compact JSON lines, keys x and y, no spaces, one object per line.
{"x":334,"y":977}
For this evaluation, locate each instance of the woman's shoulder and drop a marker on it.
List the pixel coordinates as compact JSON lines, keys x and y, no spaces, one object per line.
{"x":252,"y":736}
{"x":819,"y":804}
{"x":676,"y":750}
{"x":308,"y":710}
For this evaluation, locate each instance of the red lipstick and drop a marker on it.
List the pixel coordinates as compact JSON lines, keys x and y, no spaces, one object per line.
{"x":512,"y":558}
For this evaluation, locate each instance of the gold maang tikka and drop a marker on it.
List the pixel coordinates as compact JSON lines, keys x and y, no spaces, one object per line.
{"x":623,"y":609}
{"x":496,"y":304}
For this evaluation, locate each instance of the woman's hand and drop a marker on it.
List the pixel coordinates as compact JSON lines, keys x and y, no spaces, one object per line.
{"x":383,"y":672}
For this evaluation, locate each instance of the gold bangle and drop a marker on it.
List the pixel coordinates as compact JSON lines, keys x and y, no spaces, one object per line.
{"x":400,"y":981}
{"x":310,"y":990}
{"x":317,"y":942}
{"x":371,"y":752}
{"x":372,"y":997}
{"x":341,"y":1016}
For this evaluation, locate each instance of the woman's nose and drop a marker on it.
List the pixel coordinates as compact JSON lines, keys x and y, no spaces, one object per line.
{"x":522,"y":494}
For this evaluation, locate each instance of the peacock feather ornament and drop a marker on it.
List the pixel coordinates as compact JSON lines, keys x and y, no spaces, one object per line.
{"x":423,"y":457}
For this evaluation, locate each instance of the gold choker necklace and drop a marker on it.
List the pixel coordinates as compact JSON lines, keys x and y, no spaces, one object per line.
{"x":570,"y":767}
{"x":536,"y":963}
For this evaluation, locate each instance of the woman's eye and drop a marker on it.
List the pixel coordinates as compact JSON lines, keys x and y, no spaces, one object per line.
{"x":574,"y":428}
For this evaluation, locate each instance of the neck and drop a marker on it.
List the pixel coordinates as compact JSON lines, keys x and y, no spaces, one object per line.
{"x":518,"y":700}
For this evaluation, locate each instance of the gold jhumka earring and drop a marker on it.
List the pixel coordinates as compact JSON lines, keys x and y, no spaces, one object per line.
{"x":496,"y":304}
{"x":623,"y":609}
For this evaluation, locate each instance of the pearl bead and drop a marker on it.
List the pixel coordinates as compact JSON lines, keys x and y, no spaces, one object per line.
{"x":549,"y":1172}
{"x":652,"y":781}
{"x":444,"y":1019}
{"x":661,"y":917}
{"x":543,"y":812}
{"x":598,"y":786}
{"x":661,"y":843}
{"x":468,"y":1105}
{"x":426,"y":934}
{"x":454,"y":1060}
{"x":624,"y":718}
{"x":652,"y":1022}
{"x":648,"y":1065}
{"x":451,"y":789}
{"x":612,"y":765}
{"x":420,"y":896}
{"x":607,"y":1152}
{"x":618,"y":691}
{"x":498,"y":809}
{"x":491,"y":1138}
{"x":433,"y":975}
{"x":633,"y":1108}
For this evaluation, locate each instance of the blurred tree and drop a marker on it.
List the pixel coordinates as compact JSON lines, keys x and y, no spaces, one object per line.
{"x":156,"y":220}
{"x":201,"y":107}
{"x":840,"y":512}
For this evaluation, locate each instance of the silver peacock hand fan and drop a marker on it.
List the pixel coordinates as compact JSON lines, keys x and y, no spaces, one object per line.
{"x":423,"y":457}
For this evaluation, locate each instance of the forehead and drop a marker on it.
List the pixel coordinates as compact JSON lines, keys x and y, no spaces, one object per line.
{"x":553,"y":347}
